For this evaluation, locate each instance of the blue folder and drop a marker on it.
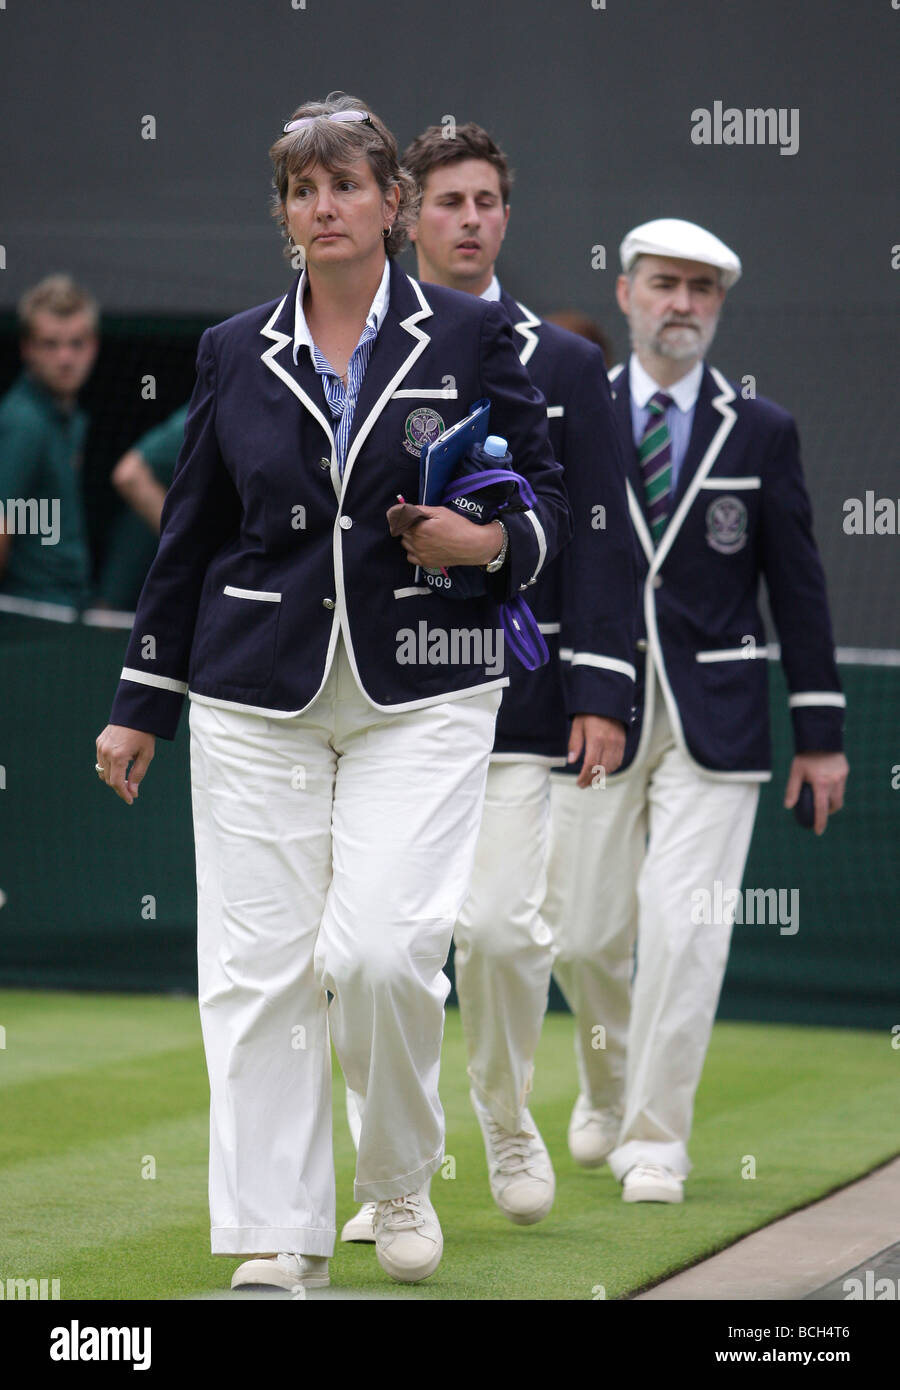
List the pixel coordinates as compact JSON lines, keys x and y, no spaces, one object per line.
{"x":439,"y":459}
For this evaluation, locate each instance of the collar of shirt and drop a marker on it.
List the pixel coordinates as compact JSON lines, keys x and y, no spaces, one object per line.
{"x":49,"y":404}
{"x":492,"y":291}
{"x":684,"y":392}
{"x":375,"y":316}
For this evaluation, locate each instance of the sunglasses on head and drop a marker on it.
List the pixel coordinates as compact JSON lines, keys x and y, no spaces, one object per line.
{"x":340,"y":116}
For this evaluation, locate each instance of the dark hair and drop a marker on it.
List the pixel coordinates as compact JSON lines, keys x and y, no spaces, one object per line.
{"x":334,"y":144}
{"x":447,"y":144}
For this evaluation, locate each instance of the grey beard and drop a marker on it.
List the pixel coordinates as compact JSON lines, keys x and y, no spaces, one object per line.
{"x":676,"y":351}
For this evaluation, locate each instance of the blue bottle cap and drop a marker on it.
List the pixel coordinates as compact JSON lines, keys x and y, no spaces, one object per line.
{"x":495,"y":446}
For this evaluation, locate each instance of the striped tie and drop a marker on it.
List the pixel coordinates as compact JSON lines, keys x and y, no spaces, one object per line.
{"x":655,"y":459}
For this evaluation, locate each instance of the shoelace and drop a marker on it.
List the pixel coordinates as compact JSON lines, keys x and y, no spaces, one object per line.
{"x":652,"y":1170}
{"x":401,"y":1213}
{"x":512,"y":1152}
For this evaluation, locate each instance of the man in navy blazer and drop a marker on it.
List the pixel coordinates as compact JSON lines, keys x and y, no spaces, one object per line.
{"x":657,"y":853}
{"x":249,"y":616}
{"x":585,"y":603}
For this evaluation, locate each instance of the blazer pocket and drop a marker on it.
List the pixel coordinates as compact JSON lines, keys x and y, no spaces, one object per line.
{"x":426,"y":393}
{"x":262,"y":595}
{"x":746,"y":653}
{"x":748,"y":484}
{"x":242,"y":648}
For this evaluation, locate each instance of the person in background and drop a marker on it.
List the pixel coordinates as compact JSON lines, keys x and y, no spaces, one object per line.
{"x":142,"y":477}
{"x":44,"y":553}
{"x":718,"y":502}
{"x":585,"y":327}
{"x":585,"y":603}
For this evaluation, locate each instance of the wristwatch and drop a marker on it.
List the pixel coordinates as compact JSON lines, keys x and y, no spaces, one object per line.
{"x":499,"y":559}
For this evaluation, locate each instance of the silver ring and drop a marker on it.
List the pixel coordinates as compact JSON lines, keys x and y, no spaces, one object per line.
{"x":99,"y":767}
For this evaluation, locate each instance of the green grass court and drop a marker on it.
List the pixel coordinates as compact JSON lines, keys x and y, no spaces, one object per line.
{"x":92,"y":1084}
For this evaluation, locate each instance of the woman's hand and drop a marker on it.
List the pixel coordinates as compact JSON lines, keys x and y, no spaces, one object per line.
{"x":116,"y":747}
{"x":446,"y":538}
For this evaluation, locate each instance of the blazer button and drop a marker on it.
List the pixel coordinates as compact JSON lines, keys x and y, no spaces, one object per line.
{"x":328,"y":603}
{"x":324,"y":462}
{"x":346,"y":523}
{"x":657,"y":581}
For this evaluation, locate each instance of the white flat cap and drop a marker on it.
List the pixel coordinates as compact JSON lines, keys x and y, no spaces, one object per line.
{"x":670,"y":236}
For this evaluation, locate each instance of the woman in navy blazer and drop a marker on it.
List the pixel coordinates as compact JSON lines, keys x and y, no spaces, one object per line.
{"x":341,"y":715}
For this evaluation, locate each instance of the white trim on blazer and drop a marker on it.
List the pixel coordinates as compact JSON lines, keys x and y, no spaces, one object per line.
{"x":523,"y":328}
{"x":655,"y":661}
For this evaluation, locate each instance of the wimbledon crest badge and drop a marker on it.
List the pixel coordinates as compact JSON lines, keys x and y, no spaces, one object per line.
{"x":726,"y":525}
{"x":423,"y":426}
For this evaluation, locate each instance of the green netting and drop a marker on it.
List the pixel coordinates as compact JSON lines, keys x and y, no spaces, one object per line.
{"x":100,"y":895}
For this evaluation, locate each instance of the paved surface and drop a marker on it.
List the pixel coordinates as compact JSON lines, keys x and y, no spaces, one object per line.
{"x":810,"y":1254}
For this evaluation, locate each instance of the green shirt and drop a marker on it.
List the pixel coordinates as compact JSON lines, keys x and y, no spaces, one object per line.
{"x":160,"y":447}
{"x":132,"y":545}
{"x":40,"y":495}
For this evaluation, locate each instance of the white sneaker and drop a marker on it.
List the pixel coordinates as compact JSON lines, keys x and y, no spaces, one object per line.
{"x":361,"y":1227}
{"x":282,"y":1272}
{"x":408,"y":1239}
{"x":519,"y":1168}
{"x":650,"y":1182}
{"x":593,"y":1133}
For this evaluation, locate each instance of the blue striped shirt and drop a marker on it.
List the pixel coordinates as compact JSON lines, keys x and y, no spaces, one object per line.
{"x":342,"y":400}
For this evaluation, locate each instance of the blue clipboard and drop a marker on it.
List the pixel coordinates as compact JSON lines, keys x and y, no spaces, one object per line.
{"x":438,"y":460}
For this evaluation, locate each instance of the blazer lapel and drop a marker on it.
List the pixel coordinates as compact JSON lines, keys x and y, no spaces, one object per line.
{"x":524,"y":322}
{"x":703,"y":427}
{"x":714,"y":419}
{"x":301,"y":379}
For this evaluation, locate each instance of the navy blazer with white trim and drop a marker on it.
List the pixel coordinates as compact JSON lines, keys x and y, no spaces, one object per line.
{"x":586,"y":600}
{"x":741,"y":511}
{"x":264,"y":547}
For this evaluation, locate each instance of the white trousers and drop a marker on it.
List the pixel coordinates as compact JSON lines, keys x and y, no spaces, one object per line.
{"x":504,"y":948}
{"x":624,"y":863}
{"x":333,"y":853}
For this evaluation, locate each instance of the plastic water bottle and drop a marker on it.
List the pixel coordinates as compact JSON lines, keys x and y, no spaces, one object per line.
{"x":493,"y":453}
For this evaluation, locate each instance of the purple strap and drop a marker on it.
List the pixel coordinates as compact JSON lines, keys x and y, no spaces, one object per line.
{"x":474,"y":482}
{"x":523,"y":634}
{"x":520,"y":630}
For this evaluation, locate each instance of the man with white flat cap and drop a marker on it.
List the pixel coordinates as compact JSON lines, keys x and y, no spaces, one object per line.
{"x":717,"y":501}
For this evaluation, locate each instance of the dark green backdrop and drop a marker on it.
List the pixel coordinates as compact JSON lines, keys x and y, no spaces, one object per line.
{"x":76,"y":863}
